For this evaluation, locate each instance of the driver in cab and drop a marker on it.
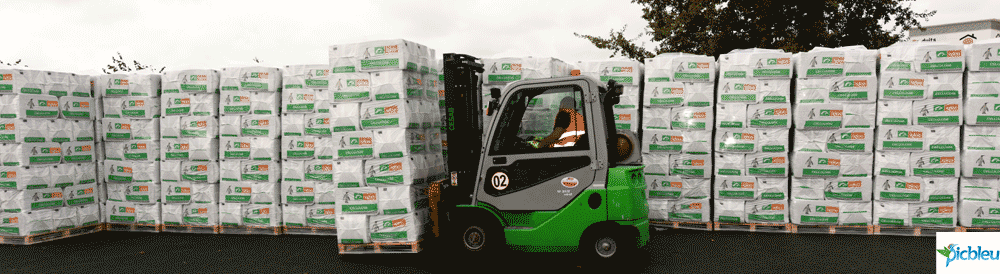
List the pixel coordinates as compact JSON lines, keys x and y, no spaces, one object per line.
{"x":568,"y":128}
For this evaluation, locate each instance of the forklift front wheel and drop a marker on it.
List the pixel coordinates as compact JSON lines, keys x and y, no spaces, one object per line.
{"x":474,"y":238}
{"x":606,"y":247}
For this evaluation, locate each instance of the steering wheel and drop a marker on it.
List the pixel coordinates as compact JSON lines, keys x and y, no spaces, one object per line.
{"x":522,"y":142}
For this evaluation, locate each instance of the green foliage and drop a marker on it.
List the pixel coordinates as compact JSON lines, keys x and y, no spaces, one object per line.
{"x":12,"y":64}
{"x":714,"y":27}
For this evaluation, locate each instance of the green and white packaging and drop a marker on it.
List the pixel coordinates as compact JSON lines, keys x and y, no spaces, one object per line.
{"x":663,"y":94}
{"x":662,"y":141}
{"x":808,"y":188}
{"x":195,"y":149}
{"x":248,"y":148}
{"x":903,"y":86}
{"x":698,"y":94}
{"x":77,"y":108}
{"x":729,"y":211}
{"x":79,"y":195}
{"x":318,"y":170}
{"x":88,"y":215}
{"x":938,"y":112}
{"x":980,"y":138}
{"x":389,"y":114}
{"x":351,"y":87}
{"x":133,"y":84}
{"x":850,"y":140}
{"x":317,"y":124}
{"x":84,"y":173}
{"x":132,"y":107}
{"x":807,"y":212}
{"x":359,"y":200}
{"x":943,"y":138}
{"x":321,"y":215}
{"x":772,"y":188}
{"x":352,"y":229}
{"x":176,"y":193}
{"x":62,"y":175}
{"x":262,"y":215}
{"x":730,"y":164}
{"x":199,"y":127}
{"x":326,"y":193}
{"x":736,"y":141}
{"x":120,"y":212}
{"x":623,"y":71}
{"x":306,"y":76}
{"x":982,"y":84}
{"x":348,"y":173}
{"x":891,"y":213}
{"x":691,"y":166}
{"x":933,"y":214}
{"x":945,"y":85}
{"x":200,"y":214}
{"x":345,"y":117}
{"x":848,"y":189}
{"x":298,"y":100}
{"x":298,"y":147}
{"x":265,"y":126}
{"x":740,"y":91}
{"x":655,"y":119}
{"x":250,"y":79}
{"x":941,"y":190}
{"x":131,"y":171}
{"x":293,"y":215}
{"x":812,"y":90}
{"x":730,"y":116}
{"x":659,"y":209}
{"x":260,"y":171}
{"x":939,"y":58}
{"x":690,"y":210}
{"x":767,"y":164}
{"x":398,"y":142}
{"x":236,"y":102}
{"x":901,"y":138}
{"x":25,"y":130}
{"x":853,"y":89}
{"x":899,"y":189}
{"x":935,"y":164}
{"x":982,"y":111}
{"x":230,"y":214}
{"x":766,"y":211}
{"x":816,"y":164}
{"x":395,"y":200}
{"x":776,"y":91}
{"x":142,"y":193}
{"x":22,"y":81}
{"x":82,"y":130}
{"x":978,"y":214}
{"x":397,"y":85}
{"x":24,"y":224}
{"x":381,"y":55}
{"x":394,"y":171}
{"x":656,"y":164}
{"x":206,"y":172}
{"x":819,"y":116}
{"x":820,"y":62}
{"x":297,"y":192}
{"x":769,"y":116}
{"x":979,"y":189}
{"x":133,"y":150}
{"x":981,"y":164}
{"x":695,"y":188}
{"x":892,"y":163}
{"x":78,"y":152}
{"x":29,"y":106}
{"x":895,"y":113}
{"x":735,"y":187}
{"x":691,"y":118}
{"x":354,"y":145}
{"x":855,"y":213}
{"x":173,"y":214}
{"x":628,"y":119}
{"x":396,"y":228}
{"x":856,"y":165}
{"x":773,"y":140}
{"x":190,"y":81}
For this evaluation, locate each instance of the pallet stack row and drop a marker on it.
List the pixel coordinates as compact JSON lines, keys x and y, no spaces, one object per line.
{"x":979,"y":188}
{"x":677,"y":118}
{"x":47,"y":180}
{"x":834,"y":115}
{"x":307,"y":186}
{"x":249,"y":150}
{"x":920,"y":114}
{"x":753,"y":118}
{"x":383,"y":163}
{"x":502,"y":71}
{"x":129,"y":130}
{"x":189,"y":138}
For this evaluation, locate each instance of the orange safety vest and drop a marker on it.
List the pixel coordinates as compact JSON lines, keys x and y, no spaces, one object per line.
{"x":573,"y":131}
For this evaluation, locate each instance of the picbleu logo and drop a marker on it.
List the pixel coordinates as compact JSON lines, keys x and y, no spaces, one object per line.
{"x":955,"y":253}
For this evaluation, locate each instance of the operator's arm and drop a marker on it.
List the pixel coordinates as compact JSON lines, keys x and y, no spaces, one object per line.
{"x":562,"y":122}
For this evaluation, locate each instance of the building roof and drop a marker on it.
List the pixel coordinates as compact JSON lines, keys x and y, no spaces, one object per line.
{"x":957,"y":27}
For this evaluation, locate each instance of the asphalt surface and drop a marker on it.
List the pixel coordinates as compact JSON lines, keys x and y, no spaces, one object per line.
{"x":670,"y":251}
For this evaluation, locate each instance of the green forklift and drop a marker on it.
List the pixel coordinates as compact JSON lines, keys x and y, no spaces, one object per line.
{"x":513,"y":188}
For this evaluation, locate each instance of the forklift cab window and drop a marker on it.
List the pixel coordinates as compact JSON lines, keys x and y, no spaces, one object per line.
{"x":542,"y":120}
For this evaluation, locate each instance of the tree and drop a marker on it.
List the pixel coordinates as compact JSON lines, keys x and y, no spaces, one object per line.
{"x":714,"y":27}
{"x":12,"y":64}
{"x":256,"y":60}
{"x":119,"y":65}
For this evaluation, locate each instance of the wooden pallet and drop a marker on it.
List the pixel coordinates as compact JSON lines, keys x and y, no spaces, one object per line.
{"x":194,"y":229}
{"x":979,"y":229}
{"x":305,"y":230}
{"x":754,"y":227}
{"x":377,"y":247}
{"x":913,"y":231}
{"x":133,"y":227}
{"x":433,"y":197}
{"x":834,"y":229}
{"x":51,"y":236}
{"x":250,"y":230}
{"x":661,"y":224}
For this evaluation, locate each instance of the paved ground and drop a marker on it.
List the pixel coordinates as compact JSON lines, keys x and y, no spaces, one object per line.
{"x":671,"y":251}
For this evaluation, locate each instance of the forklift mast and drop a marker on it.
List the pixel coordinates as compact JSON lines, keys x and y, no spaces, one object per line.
{"x":464,"y":125}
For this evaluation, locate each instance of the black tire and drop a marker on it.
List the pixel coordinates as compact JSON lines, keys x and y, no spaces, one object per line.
{"x":480,"y":238}
{"x":607,"y":249}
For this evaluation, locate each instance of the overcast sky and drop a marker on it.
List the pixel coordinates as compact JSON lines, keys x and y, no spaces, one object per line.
{"x":81,"y":36}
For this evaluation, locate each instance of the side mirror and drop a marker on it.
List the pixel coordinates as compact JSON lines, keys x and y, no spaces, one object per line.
{"x":495,"y":93}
